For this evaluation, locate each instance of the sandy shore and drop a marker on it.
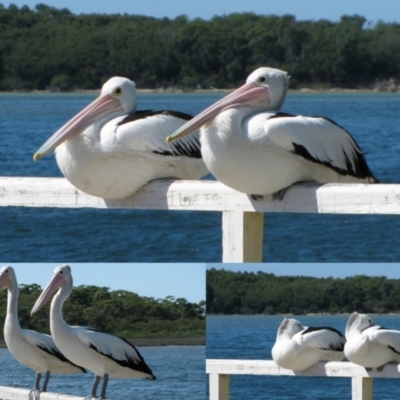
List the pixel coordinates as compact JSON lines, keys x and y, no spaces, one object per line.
{"x":144,"y":342}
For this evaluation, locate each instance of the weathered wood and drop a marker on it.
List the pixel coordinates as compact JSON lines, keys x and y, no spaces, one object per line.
{"x":11,"y":393}
{"x":242,"y":236}
{"x":361,"y":388}
{"x":206,"y":196}
{"x":219,"y":387}
{"x":268,"y":367}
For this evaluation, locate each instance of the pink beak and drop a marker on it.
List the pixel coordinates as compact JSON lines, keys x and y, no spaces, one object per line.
{"x":249,"y":94}
{"x":5,"y":281}
{"x":98,"y":108}
{"x":56,"y":282}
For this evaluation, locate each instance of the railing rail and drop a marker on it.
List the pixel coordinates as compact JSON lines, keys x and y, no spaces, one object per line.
{"x":220,"y":370}
{"x":361,"y":380}
{"x":11,"y":393}
{"x":242,"y":221}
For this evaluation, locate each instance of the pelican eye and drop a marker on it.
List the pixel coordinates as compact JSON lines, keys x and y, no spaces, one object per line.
{"x":263,"y":79}
{"x":117,"y":91}
{"x":6,"y":271}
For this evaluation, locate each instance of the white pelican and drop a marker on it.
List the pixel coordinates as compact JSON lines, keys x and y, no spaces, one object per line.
{"x":110,"y":150}
{"x":370,"y":345}
{"x":32,"y":349}
{"x":105,"y":355}
{"x":250,"y":146}
{"x":298,"y":347}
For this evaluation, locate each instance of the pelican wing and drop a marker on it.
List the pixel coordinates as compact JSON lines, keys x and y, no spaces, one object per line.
{"x":46,"y":343}
{"x":324,"y":338}
{"x":386,"y":337}
{"x":115,"y":348}
{"x":147,"y":130}
{"x":319,"y":140}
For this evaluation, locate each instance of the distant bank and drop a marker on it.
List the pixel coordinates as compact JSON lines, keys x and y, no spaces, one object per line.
{"x":145,"y":342}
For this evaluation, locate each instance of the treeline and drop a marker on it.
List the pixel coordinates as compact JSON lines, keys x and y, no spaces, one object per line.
{"x":119,"y":312}
{"x":262,"y":293}
{"x":53,"y":48}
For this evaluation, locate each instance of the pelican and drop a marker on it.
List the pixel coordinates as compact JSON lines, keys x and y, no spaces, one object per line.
{"x":250,"y":146}
{"x":298,"y":347}
{"x":107,"y":356}
{"x":35,"y":350}
{"x":110,"y":150}
{"x":370,"y":345}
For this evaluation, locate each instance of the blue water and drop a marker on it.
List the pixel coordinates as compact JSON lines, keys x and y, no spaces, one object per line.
{"x":252,"y":337}
{"x":82,"y":235}
{"x":179,"y":371}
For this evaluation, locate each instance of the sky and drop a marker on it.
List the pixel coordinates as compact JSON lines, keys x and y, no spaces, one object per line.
{"x":318,"y":270}
{"x":150,"y":280}
{"x":372,"y":10}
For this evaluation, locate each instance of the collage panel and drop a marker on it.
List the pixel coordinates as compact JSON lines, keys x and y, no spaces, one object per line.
{"x":290,"y":331}
{"x":139,"y":326}
{"x":165,"y":148}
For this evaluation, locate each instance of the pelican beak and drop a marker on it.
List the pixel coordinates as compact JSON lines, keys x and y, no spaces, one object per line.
{"x":56,"y":282}
{"x":5,"y":281}
{"x":98,"y":108}
{"x":249,"y":94}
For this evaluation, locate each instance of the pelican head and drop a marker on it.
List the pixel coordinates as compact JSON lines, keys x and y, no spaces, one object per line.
{"x":288,"y":328}
{"x":62,"y":275}
{"x":7,"y":277}
{"x":358,"y":323}
{"x":117,"y":97}
{"x":265,"y":89}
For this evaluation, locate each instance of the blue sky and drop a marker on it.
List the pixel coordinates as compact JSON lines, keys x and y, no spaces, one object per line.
{"x":317,"y":269}
{"x":386,"y":10}
{"x":151,"y":280}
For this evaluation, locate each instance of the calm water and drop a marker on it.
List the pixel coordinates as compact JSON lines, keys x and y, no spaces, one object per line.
{"x":179,"y":371}
{"x":252,"y":337}
{"x":56,"y":235}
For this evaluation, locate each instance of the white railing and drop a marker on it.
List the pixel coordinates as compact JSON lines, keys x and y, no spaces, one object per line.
{"x":242,"y":217}
{"x":11,"y":393}
{"x":361,"y":380}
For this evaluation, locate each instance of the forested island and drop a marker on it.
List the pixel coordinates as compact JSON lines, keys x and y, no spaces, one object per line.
{"x":52,"y":49}
{"x":119,"y":312}
{"x":263,"y":293}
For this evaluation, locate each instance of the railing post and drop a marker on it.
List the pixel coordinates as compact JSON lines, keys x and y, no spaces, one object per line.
{"x":242,"y":236}
{"x":361,"y":388}
{"x":219,"y":387}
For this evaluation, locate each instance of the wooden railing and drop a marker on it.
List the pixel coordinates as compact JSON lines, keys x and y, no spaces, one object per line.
{"x":242,"y":217}
{"x":11,"y":393}
{"x":361,"y":380}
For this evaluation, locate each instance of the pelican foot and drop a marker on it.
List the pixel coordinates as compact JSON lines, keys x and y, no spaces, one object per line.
{"x":90,"y":397}
{"x":280,"y":194}
{"x":256,"y":197}
{"x":368,"y":369}
{"x":34,"y":394}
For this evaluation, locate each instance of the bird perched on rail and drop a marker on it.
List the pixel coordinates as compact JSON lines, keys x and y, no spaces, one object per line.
{"x":35,"y":350}
{"x":370,"y":345}
{"x":298,"y":347}
{"x":250,"y":146}
{"x":107,"y":356}
{"x":110,"y":150}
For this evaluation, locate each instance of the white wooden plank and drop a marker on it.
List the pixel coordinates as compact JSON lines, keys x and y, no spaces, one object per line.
{"x":11,"y":393}
{"x":206,"y":196}
{"x":268,"y":367}
{"x":361,"y":388}
{"x":242,"y":236}
{"x":219,"y":387}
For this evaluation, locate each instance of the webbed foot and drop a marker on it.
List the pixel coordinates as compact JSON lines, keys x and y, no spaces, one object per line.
{"x":256,"y":197}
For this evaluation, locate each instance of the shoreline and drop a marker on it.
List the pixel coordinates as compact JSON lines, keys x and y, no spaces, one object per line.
{"x":148,"y":342}
{"x":209,"y":91}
